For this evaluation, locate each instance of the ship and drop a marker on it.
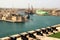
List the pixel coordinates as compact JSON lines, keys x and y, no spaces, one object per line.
{"x":30,"y":10}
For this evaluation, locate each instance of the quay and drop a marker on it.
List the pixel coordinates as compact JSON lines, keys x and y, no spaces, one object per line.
{"x":38,"y":34}
{"x":17,"y":21}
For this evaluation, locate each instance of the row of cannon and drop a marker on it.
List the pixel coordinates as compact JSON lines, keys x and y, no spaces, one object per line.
{"x":37,"y":34}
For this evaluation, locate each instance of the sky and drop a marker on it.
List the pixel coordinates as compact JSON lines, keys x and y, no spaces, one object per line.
{"x":26,"y":3}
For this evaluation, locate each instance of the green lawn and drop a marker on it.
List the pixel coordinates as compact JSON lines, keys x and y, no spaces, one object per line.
{"x":56,"y":35}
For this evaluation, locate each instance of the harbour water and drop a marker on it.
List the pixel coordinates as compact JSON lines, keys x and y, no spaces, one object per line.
{"x":35,"y":22}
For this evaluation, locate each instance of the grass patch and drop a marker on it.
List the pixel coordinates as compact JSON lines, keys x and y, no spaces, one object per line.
{"x":56,"y":35}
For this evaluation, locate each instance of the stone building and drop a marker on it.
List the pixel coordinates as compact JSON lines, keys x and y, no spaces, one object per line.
{"x":13,"y":18}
